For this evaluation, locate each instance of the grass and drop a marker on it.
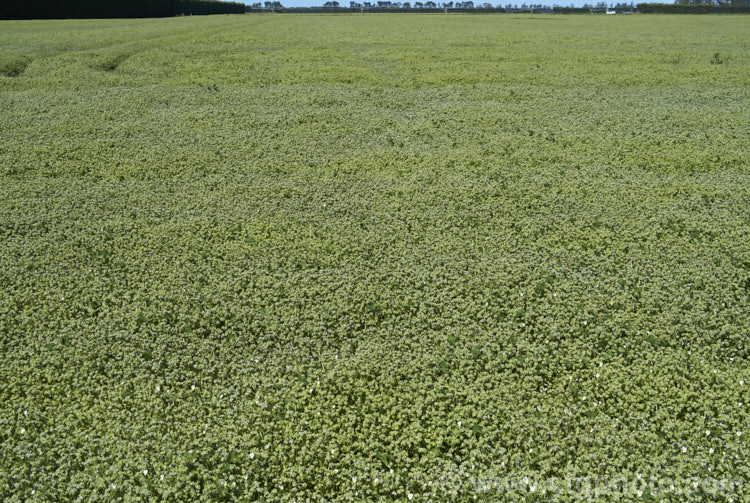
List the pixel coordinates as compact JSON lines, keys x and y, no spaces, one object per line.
{"x":280,"y":257}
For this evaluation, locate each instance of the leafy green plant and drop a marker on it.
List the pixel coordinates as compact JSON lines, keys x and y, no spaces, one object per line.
{"x":13,"y":65}
{"x":373,"y":258}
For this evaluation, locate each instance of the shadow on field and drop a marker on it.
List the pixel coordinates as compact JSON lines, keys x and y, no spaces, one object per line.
{"x":109,"y":62}
{"x":13,"y":65}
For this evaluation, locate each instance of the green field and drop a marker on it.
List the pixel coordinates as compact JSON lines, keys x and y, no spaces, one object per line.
{"x":373,"y":257}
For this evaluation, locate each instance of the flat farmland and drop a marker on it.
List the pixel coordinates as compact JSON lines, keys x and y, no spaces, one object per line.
{"x":374,"y":257}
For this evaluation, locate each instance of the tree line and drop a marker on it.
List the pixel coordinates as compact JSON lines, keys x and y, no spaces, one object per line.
{"x":388,"y":6}
{"x":696,"y":7}
{"x":679,"y":7}
{"x":95,"y":9}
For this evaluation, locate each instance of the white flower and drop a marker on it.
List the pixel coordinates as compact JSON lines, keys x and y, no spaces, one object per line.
{"x":708,"y":432}
{"x":598,"y":375}
{"x":23,"y":430}
{"x":684,"y":449}
{"x":711,"y":450}
{"x":161,"y":478}
{"x":158,"y":387}
{"x":192,"y":388}
{"x":584,"y":397}
{"x":354,"y":480}
{"x":252,"y":455}
{"x":716,"y":371}
{"x":459,"y":424}
{"x":113,"y":486}
{"x":145,"y":472}
{"x":377,"y":480}
{"x":739,"y":433}
{"x":742,"y":382}
{"x":585,"y":323}
{"x":411,"y":495}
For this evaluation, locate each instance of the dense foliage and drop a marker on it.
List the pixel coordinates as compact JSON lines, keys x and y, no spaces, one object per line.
{"x":93,"y":9}
{"x":385,"y":10}
{"x":676,"y":8}
{"x":372,"y":257}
